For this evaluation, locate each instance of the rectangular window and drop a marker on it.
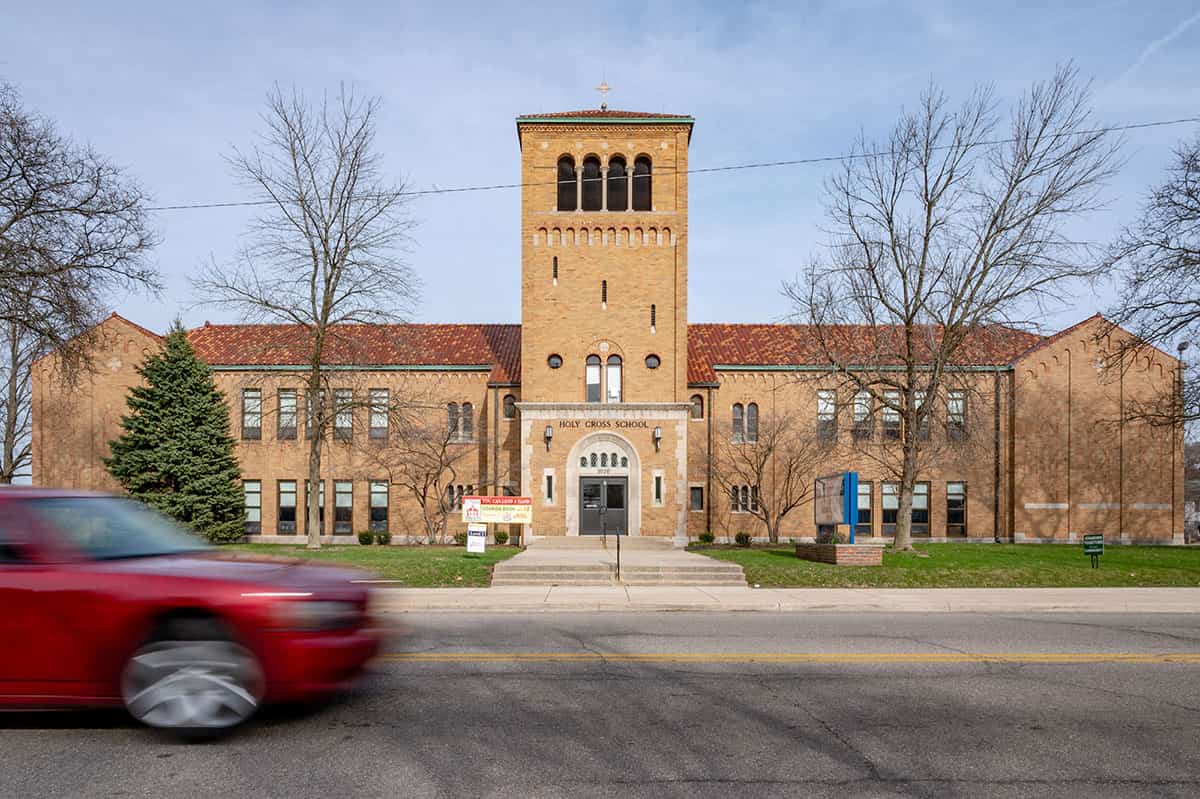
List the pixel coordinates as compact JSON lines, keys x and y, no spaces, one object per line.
{"x":548,"y":480}
{"x":922,"y":415}
{"x":343,"y":507}
{"x":252,"y":414}
{"x":890,"y":505}
{"x":696,"y":497}
{"x":286,"y":519}
{"x":286,"y":429}
{"x":379,"y":506}
{"x":864,"y":525}
{"x":252,"y":491}
{"x":736,"y":504}
{"x":891,"y":414}
{"x":379,"y":414}
{"x":864,"y":419}
{"x":956,"y":415}
{"x":320,"y":505}
{"x":658,"y":489}
{"x":920,"y":510}
{"x":343,"y":414}
{"x":956,"y":510}
{"x":826,"y":416}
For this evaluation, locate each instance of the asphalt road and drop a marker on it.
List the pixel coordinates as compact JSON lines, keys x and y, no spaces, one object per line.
{"x":689,"y":705}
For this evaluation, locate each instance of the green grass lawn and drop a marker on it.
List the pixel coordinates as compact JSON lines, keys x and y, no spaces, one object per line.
{"x":416,"y":566}
{"x":974,"y":566}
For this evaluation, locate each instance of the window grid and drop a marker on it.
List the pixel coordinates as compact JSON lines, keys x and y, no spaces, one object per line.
{"x":380,"y":401}
{"x":252,"y":503}
{"x":251,"y":414}
{"x":891,"y":415}
{"x":826,"y":416}
{"x":696,"y":498}
{"x":378,"y":501}
{"x":956,"y":415}
{"x":956,"y":509}
{"x":286,"y":415}
{"x":864,"y":418}
{"x":864,"y":524}
{"x":285,"y":518}
{"x":343,"y":416}
{"x":343,"y":507}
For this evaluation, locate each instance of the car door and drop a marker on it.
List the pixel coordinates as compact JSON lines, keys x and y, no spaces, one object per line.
{"x":45,"y":636}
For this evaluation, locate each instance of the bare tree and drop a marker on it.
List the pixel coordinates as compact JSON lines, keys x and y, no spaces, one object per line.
{"x":20,"y":348}
{"x":953,"y":226}
{"x":423,"y":456}
{"x":1159,"y":257}
{"x":767,"y":472}
{"x":324,"y":253}
{"x":73,"y":230}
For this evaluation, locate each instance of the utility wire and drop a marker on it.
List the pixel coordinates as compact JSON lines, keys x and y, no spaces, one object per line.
{"x":702,"y":170}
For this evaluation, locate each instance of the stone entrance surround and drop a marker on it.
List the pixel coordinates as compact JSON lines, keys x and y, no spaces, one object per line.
{"x":627,"y":428}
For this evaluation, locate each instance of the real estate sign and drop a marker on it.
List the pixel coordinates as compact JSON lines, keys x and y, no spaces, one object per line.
{"x":498,"y":510}
{"x":477,"y":538}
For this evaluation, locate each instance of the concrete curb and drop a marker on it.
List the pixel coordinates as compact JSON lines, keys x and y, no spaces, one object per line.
{"x":657,"y":599}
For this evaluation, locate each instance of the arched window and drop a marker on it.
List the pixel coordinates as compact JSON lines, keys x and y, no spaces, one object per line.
{"x":752,"y":422}
{"x":567,"y":196}
{"x":618,"y":184}
{"x":468,"y":422}
{"x":583,"y":461}
{"x":510,"y":406}
{"x":592,"y":190}
{"x":739,"y":423}
{"x":697,"y":406}
{"x":624,"y":462}
{"x":613,"y":459}
{"x":641,"y":184}
{"x":593,"y":459}
{"x":603,"y":460}
{"x":452,"y":417}
{"x":745,"y":498}
{"x":613,"y":379}
{"x":592,"y":378}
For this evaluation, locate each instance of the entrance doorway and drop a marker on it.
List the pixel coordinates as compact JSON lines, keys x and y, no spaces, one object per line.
{"x":602,"y":505}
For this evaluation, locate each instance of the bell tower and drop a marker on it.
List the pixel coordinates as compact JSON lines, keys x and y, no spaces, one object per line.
{"x":604,"y":256}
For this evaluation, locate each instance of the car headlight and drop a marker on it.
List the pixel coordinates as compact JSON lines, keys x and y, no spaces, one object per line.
{"x":316,"y":615}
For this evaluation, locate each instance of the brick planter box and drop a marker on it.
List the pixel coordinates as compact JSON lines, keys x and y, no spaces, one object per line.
{"x":842,"y":554}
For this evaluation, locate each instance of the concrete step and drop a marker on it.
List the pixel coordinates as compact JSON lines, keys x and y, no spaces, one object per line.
{"x":637,"y":542}
{"x":693,"y":580}
{"x":507,"y":567}
{"x":498,"y":582}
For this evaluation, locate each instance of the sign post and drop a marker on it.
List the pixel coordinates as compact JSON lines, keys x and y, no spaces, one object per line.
{"x":1093,"y":544}
{"x":835,"y":501}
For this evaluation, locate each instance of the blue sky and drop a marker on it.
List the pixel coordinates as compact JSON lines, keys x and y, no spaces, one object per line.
{"x":166,"y":89}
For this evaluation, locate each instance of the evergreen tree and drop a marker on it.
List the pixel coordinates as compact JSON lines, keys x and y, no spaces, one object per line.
{"x":176,"y":453}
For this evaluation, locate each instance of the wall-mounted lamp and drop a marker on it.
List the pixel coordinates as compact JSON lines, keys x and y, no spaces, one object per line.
{"x":549,"y":435}
{"x":657,"y":439}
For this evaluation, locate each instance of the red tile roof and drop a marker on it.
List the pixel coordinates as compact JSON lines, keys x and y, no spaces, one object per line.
{"x":497,"y":346}
{"x":796,"y":345}
{"x":597,"y":113}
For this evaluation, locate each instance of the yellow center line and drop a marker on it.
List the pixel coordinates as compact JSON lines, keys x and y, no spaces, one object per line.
{"x":792,"y":657}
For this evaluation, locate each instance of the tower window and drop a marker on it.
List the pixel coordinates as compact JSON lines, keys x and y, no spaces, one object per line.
{"x":567,"y":196}
{"x":555,"y":270}
{"x":653,"y":361}
{"x":653,"y":316}
{"x":510,"y":406}
{"x":604,"y":292}
{"x":554,"y":361}
{"x":618,"y":184}
{"x":592,"y":189}
{"x":614,"y":379}
{"x":697,"y":406}
{"x":738,"y":424}
{"x":752,"y":422}
{"x":641,"y":184}
{"x":592,"y":378}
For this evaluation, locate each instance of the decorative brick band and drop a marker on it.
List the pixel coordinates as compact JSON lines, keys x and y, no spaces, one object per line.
{"x":842,"y":554}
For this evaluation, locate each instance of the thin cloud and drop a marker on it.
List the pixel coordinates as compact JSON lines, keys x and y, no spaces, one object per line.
{"x":1157,"y":45}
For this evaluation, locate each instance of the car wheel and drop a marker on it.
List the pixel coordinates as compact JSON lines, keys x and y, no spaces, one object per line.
{"x":192,"y":677}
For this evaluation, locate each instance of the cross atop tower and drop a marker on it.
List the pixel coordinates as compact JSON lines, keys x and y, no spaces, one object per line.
{"x":604,"y":89}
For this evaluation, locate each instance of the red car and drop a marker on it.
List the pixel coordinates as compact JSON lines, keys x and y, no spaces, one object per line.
{"x":104,"y":601}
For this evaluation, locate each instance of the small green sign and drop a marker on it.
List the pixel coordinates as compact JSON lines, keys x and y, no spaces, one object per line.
{"x":1093,"y":544}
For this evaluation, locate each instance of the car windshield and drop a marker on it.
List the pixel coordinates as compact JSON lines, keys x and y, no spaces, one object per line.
{"x":110,"y":528}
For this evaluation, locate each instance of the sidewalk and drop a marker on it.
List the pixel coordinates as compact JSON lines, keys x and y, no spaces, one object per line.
{"x":509,"y":599}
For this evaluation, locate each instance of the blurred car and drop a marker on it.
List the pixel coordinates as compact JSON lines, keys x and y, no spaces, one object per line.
{"x":104,"y":601}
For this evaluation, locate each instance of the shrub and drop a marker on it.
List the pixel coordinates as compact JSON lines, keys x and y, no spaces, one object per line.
{"x":460,"y":539}
{"x":707,"y":538}
{"x":501,"y":537}
{"x":365,"y":538}
{"x":742,"y":539}
{"x":384,"y":538}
